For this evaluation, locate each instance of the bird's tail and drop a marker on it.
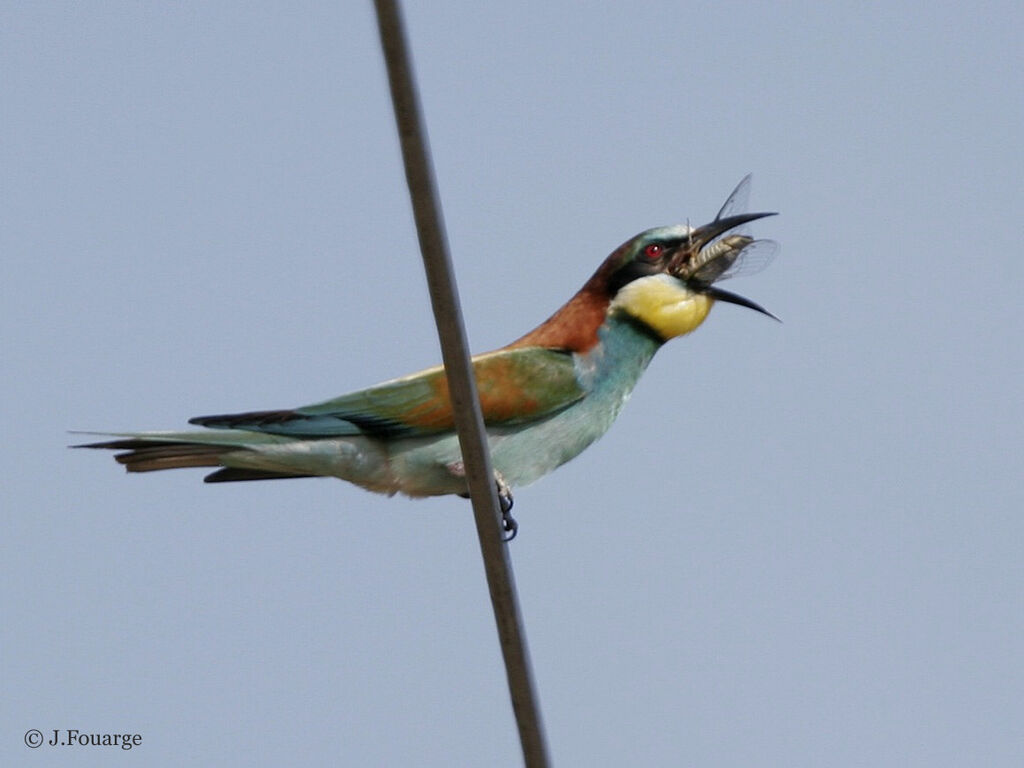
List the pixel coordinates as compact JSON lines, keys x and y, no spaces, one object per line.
{"x":154,"y":451}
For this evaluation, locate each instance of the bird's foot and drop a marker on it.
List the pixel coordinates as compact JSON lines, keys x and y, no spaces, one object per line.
{"x":505,"y":500}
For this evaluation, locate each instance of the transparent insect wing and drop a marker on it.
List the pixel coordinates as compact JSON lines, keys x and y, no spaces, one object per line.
{"x":749,"y":261}
{"x":713,"y":259}
{"x":714,"y":269}
{"x":733,"y":253}
{"x":738,"y":201}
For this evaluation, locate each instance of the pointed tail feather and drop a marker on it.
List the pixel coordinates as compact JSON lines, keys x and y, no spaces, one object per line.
{"x":152,"y":453}
{"x":146,"y":456}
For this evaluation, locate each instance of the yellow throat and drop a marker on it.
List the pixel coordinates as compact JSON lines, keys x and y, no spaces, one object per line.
{"x":663,"y":303}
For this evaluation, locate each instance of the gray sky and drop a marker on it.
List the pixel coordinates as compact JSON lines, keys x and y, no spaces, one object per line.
{"x":800,"y":545}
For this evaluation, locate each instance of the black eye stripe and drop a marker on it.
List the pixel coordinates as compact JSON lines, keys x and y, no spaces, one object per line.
{"x":632,"y":271}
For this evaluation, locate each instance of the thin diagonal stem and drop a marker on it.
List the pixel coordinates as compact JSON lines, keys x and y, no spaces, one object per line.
{"x":468,"y":417}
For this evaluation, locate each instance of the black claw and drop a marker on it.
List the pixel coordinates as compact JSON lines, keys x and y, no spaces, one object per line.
{"x":510,"y":525}
{"x":505,"y":501}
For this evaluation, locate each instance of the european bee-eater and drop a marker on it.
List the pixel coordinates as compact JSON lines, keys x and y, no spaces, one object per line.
{"x":545,"y":397}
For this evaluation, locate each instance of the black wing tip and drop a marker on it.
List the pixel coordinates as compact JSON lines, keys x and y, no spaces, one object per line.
{"x":247,"y":419}
{"x":124,"y":444}
{"x":234,"y":475}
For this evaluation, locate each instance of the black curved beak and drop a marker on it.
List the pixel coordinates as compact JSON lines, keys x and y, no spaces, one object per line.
{"x":733,"y":298}
{"x":704,"y":235}
{"x":701,"y":236}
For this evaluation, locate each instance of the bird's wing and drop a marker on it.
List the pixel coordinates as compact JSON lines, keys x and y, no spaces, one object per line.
{"x":515,"y":386}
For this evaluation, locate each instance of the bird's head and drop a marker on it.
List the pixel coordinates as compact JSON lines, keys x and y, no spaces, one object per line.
{"x":665,"y":277}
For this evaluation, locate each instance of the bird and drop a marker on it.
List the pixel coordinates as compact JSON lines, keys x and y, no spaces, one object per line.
{"x":545,"y":397}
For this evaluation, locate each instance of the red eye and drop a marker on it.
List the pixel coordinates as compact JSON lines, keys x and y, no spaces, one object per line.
{"x":653,"y":251}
